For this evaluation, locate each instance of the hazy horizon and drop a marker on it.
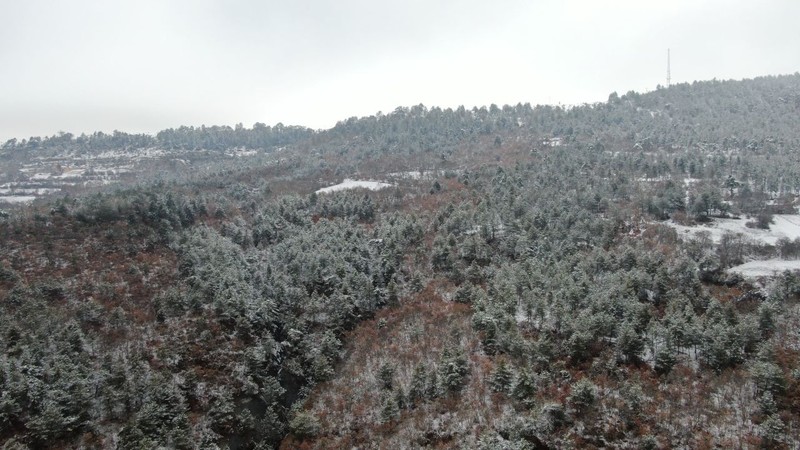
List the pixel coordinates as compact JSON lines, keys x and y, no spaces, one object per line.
{"x":142,"y":67}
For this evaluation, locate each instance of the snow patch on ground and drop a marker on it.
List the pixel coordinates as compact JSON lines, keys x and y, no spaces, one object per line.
{"x":239,"y":153}
{"x":352,"y":184}
{"x":37,"y":191}
{"x":414,"y":174}
{"x":424,"y":174}
{"x":72,"y":173}
{"x":783,"y":226}
{"x":766,"y":268}
{"x":17,"y":199}
{"x":686,"y":181}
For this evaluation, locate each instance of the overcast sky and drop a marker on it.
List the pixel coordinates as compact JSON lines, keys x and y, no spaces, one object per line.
{"x":146,"y":65}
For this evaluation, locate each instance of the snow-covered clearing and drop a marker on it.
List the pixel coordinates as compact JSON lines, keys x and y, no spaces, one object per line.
{"x":686,"y":181}
{"x":424,"y":174}
{"x":352,"y":184}
{"x":37,"y":191}
{"x":239,"y":153}
{"x":414,"y":174}
{"x":783,"y":226}
{"x":72,"y":173}
{"x":769,"y":267}
{"x":17,"y":199}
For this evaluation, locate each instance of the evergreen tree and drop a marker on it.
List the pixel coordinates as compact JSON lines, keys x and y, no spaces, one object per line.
{"x":389,"y":408}
{"x":386,"y":376}
{"x":583,"y":394}
{"x":453,"y":370}
{"x":501,"y":378}
{"x":525,"y":388}
{"x":417,"y":390}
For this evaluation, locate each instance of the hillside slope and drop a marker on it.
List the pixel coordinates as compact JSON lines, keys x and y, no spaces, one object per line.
{"x":515,"y":286}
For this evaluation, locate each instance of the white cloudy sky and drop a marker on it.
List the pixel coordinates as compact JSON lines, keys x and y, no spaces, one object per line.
{"x":145,"y":65}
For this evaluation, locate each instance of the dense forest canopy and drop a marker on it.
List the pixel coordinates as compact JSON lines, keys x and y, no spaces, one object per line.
{"x":728,"y":113}
{"x":522,"y":283}
{"x":214,"y":137}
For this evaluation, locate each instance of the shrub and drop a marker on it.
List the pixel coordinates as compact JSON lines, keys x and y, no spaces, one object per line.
{"x":304,"y":425}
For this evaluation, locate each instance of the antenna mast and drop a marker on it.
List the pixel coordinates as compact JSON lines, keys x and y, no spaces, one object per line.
{"x":668,"y":75}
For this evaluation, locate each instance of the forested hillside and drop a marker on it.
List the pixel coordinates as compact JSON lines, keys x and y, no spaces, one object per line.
{"x":526,"y":280}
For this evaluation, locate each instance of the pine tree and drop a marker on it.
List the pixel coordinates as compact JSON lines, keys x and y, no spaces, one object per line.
{"x":400,"y":398}
{"x":766,"y":319}
{"x":772,"y":429}
{"x":583,"y":395}
{"x":525,"y":387}
{"x":432,"y":387}
{"x":453,"y":370}
{"x":417,"y":389}
{"x":629,"y":343}
{"x":386,"y":376}
{"x":665,"y":359}
{"x":501,"y":378}
{"x":389,"y":408}
{"x":49,"y":424}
